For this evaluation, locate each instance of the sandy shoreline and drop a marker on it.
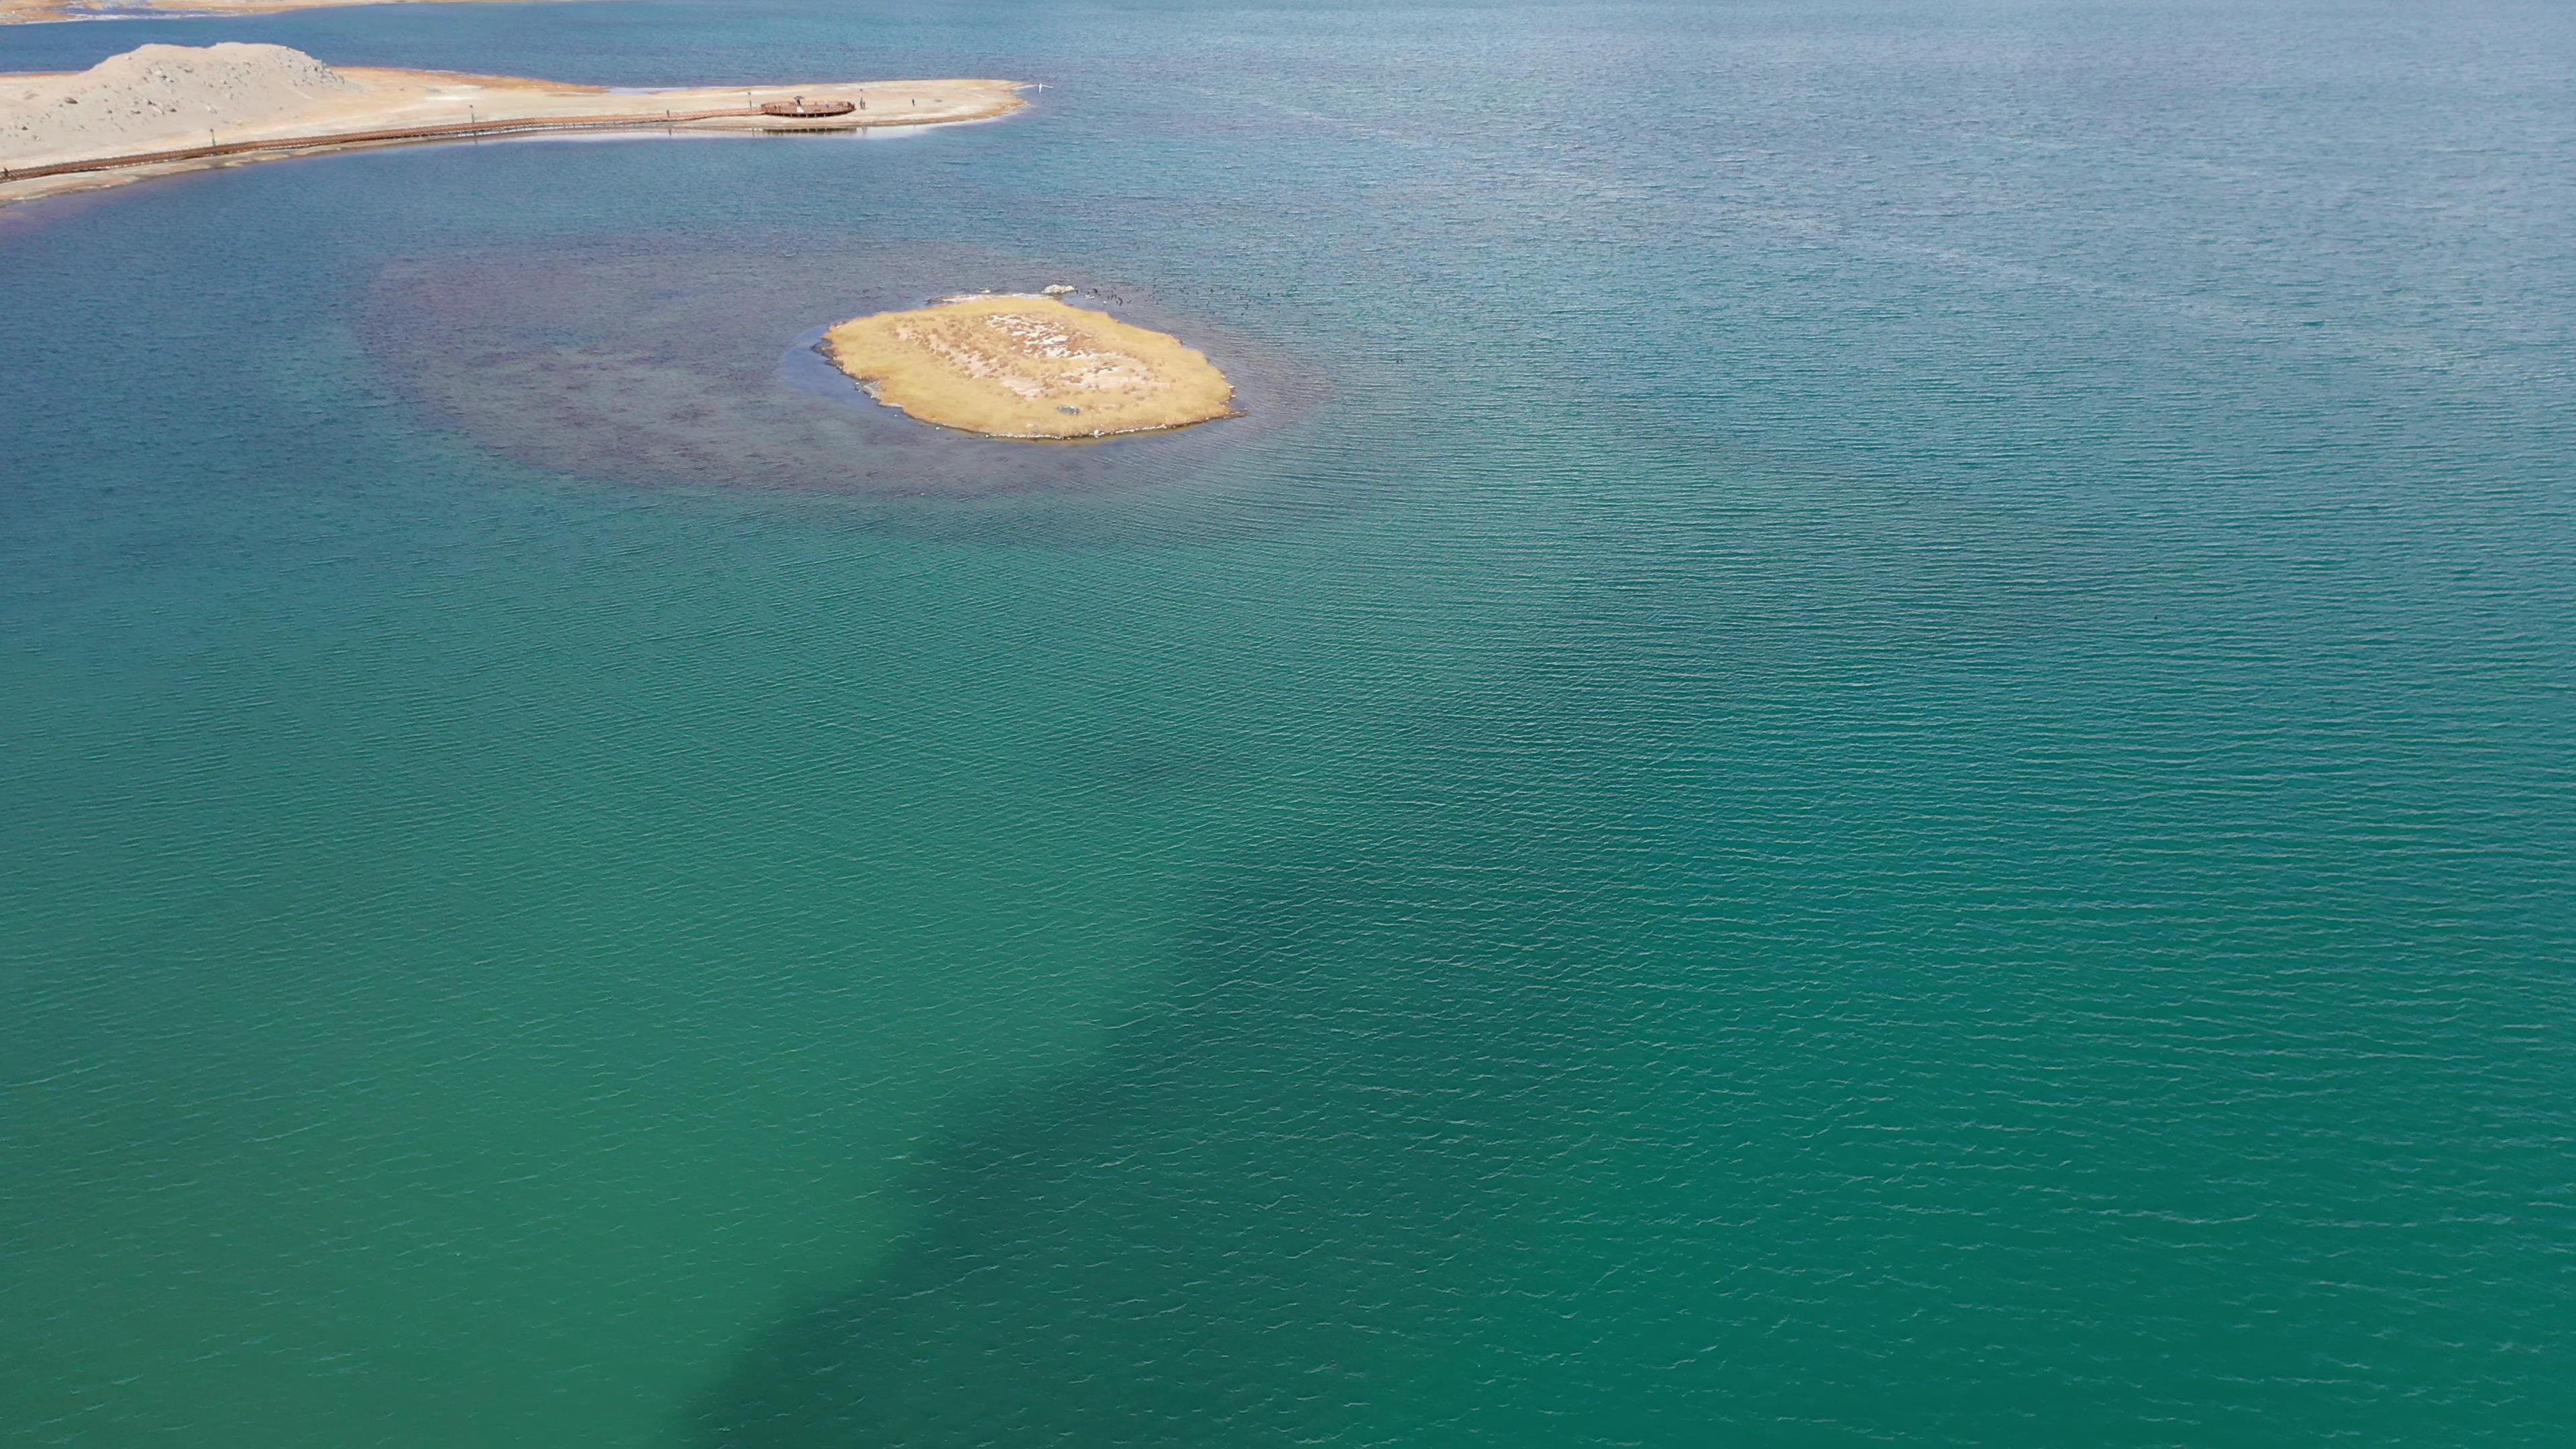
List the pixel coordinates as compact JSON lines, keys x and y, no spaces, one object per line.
{"x":35,"y":12}
{"x":161,"y":109}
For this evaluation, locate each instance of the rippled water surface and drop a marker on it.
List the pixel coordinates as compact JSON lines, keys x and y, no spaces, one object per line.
{"x":1868,"y":741}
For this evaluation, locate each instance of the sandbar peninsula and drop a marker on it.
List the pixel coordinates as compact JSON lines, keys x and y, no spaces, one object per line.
{"x":30,"y":12}
{"x":1018,"y":366}
{"x":163,"y":108}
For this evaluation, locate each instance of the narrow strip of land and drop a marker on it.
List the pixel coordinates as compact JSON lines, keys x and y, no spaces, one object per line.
{"x":455,"y":131}
{"x":164,"y":108}
{"x":32,"y":12}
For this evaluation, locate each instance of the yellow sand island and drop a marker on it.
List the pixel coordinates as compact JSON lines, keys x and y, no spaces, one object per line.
{"x":163,"y":108}
{"x":1029,"y":367}
{"x":28,"y":12}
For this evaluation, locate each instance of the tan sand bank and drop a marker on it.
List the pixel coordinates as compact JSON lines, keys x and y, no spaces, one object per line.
{"x":163,"y":108}
{"x":1029,"y":367}
{"x":28,"y":12}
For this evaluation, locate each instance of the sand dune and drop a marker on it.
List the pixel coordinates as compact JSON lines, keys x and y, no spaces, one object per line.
{"x":164,"y":107}
{"x":160,"y":96}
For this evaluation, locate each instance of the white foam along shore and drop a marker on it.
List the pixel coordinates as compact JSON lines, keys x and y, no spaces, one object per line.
{"x":163,"y":108}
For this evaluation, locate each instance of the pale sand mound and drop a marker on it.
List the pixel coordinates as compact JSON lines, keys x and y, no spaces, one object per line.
{"x":162,"y":95}
{"x":1029,"y":367}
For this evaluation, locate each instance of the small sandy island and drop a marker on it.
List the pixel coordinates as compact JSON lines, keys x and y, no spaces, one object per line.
{"x":163,"y":108}
{"x":1029,"y":367}
{"x":28,"y":12}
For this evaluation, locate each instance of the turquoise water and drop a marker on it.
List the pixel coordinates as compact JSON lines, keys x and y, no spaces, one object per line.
{"x":1870,"y":742}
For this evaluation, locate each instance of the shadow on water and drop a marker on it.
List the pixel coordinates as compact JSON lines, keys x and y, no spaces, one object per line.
{"x":1306,"y":1151}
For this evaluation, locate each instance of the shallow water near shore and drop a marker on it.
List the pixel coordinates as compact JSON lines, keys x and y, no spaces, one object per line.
{"x":1868,"y":742}
{"x":693,"y":365}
